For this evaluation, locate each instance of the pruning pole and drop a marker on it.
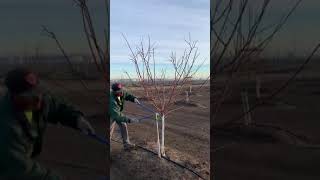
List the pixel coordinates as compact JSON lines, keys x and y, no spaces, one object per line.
{"x":158,"y":138}
{"x":162,"y":137}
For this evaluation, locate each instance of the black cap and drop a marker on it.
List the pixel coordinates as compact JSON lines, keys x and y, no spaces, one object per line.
{"x":21,"y":80}
{"x":116,"y":86}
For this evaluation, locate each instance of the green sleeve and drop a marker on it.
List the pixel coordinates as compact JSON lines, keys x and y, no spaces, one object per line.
{"x":19,"y":166}
{"x":15,"y":150}
{"x":129,"y":97}
{"x":115,"y":113}
{"x":62,"y":112}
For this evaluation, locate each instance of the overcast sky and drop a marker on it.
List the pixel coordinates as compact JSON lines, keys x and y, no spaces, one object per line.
{"x":167,"y":22}
{"x":301,"y":33}
{"x":21,"y":21}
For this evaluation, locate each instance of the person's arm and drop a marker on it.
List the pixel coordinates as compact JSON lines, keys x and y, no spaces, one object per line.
{"x":62,"y":112}
{"x":129,"y":97}
{"x":115,"y":114}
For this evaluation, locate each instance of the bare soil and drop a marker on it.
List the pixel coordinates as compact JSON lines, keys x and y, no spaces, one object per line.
{"x":186,"y":138}
{"x":283,"y":141}
{"x":77,"y":157}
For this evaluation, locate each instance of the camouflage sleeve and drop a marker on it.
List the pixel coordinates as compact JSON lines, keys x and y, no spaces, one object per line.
{"x":115,"y":113}
{"x":62,"y":112}
{"x":129,"y":97}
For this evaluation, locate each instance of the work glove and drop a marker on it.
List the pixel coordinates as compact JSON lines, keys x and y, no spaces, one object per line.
{"x":84,"y":126}
{"x":133,"y":120}
{"x":136,"y":101}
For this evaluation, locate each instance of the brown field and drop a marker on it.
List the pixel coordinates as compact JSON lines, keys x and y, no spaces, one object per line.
{"x":283,"y":142}
{"x":187,"y":142}
{"x":78,"y":157}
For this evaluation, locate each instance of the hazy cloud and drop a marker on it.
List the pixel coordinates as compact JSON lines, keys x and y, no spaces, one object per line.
{"x":167,"y":22}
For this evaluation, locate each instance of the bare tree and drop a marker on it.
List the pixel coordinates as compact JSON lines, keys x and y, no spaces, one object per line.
{"x":99,"y":54}
{"x":158,"y":87}
{"x":239,"y":32}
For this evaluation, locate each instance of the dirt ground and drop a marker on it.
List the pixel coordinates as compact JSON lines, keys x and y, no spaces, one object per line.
{"x":186,"y":138}
{"x":76,"y":156}
{"x":257,"y":152}
{"x":283,"y":142}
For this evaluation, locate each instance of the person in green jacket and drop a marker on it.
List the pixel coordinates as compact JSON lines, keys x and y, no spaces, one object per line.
{"x":117,"y":100}
{"x":25,"y":111}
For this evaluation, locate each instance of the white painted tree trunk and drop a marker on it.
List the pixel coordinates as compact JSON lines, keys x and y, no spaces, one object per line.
{"x":190,"y":89}
{"x":187,"y":97}
{"x":162,"y":136}
{"x":258,"y":87}
{"x":245,"y":104}
{"x":158,"y":137}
